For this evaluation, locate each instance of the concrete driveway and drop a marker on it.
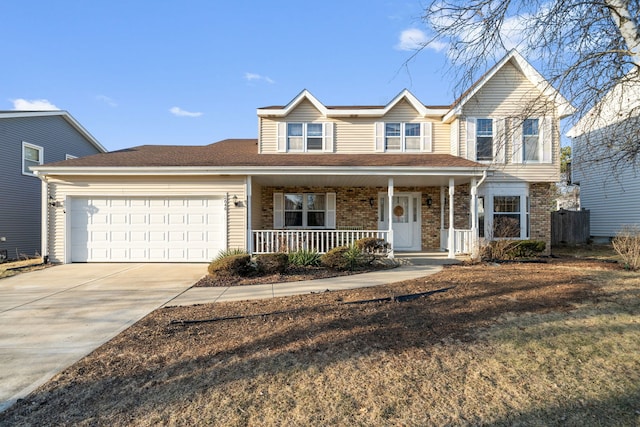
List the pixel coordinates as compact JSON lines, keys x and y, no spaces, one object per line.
{"x":51,"y":318}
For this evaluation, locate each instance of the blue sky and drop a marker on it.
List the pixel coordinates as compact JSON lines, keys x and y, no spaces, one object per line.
{"x":193,"y":72}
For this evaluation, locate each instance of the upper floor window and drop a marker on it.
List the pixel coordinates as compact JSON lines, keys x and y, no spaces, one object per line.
{"x":402,"y":136}
{"x":32,"y":155}
{"x":304,"y":136}
{"x":531,"y":140}
{"x":484,"y":139}
{"x":70,"y":156}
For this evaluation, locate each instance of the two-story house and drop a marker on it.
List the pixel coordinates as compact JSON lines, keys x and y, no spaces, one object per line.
{"x":422,"y":177}
{"x":30,"y":139}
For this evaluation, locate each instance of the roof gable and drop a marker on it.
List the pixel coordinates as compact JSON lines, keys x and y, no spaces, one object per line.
{"x":353,"y":111}
{"x":64,"y":114}
{"x":528,"y":71}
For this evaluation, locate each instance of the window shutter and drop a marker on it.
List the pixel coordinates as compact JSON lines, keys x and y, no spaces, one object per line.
{"x":471,"y":138}
{"x":282,"y":137}
{"x":516,"y":141}
{"x":331,"y":211}
{"x":426,"y":137}
{"x":454,"y":139}
{"x":546,"y":139}
{"x":278,"y":210}
{"x":379,"y":139}
{"x":328,"y":137}
{"x":499,"y":141}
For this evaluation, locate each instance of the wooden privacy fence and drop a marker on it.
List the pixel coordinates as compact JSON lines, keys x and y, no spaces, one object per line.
{"x":570,"y":227}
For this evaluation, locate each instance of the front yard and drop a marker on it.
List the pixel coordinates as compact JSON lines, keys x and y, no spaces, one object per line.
{"x":499,"y":344}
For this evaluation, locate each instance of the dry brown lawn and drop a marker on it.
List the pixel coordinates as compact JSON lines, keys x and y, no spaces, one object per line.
{"x":8,"y":269}
{"x":508,"y":344}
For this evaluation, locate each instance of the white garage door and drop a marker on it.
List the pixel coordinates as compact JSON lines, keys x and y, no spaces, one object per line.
{"x":146,"y":229}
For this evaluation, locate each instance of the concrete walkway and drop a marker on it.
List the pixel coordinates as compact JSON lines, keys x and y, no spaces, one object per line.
{"x":413,"y":265}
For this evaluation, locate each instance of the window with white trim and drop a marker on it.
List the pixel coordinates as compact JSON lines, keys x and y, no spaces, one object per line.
{"x":507,"y":218}
{"x":304,"y":136}
{"x":32,"y":155}
{"x":70,"y":156}
{"x":484,"y":139}
{"x":402,"y":136}
{"x":304,"y":210}
{"x":531,"y":140}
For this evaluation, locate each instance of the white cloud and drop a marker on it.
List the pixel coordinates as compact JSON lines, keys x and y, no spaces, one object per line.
{"x":414,"y":38}
{"x":250,"y":77}
{"x":33,"y":105}
{"x":109,"y":101}
{"x":177,"y":111}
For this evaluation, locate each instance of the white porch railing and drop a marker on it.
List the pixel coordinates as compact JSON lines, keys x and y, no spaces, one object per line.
{"x":462,"y":240}
{"x":321,"y":241}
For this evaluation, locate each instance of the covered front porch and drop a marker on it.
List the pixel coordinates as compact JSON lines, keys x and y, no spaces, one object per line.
{"x":411,"y":213}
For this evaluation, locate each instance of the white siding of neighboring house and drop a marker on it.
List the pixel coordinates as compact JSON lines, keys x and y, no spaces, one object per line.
{"x":504,"y":96}
{"x":612,"y":195}
{"x":130,"y":186}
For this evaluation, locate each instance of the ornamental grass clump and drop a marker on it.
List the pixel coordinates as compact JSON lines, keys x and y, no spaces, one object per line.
{"x":304,"y":258}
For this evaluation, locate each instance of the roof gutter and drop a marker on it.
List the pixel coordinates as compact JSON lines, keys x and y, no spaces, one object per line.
{"x":243,"y":170}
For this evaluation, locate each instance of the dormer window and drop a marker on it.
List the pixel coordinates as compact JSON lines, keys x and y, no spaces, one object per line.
{"x":300,"y":137}
{"x":403,"y":137}
{"x":304,"y":136}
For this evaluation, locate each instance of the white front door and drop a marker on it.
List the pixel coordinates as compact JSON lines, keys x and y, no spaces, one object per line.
{"x":406,"y":220}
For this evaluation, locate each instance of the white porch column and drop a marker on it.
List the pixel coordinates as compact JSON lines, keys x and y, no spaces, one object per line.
{"x":474,"y":218}
{"x":452,"y":251}
{"x":44,"y":226}
{"x":390,"y":215}
{"x":248,"y":216}
{"x":443,"y":245}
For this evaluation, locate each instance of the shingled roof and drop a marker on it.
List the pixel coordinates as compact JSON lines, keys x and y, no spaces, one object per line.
{"x":244,"y":152}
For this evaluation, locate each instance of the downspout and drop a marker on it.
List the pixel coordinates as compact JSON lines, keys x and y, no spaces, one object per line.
{"x":44,"y":217}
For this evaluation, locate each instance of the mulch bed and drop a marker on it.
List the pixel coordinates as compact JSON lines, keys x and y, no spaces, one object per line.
{"x":292,"y":274}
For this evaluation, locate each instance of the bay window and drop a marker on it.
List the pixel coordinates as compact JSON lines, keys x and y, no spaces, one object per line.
{"x":506,"y":217}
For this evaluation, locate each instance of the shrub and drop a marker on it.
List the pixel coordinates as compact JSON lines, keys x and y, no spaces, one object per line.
{"x":512,"y":249}
{"x":372,"y":245}
{"x":272,"y":263}
{"x":304,"y":258}
{"x":627,"y":245}
{"x":344,"y":258}
{"x":335,"y":258}
{"x":231,"y":265}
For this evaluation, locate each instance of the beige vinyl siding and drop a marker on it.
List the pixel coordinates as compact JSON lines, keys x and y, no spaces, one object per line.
{"x":83,"y":186}
{"x":504,"y":96}
{"x":353,"y":135}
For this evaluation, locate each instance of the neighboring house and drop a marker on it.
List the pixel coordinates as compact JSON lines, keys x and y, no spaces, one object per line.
{"x":30,"y":139}
{"x":609,"y":187}
{"x":421,"y":177}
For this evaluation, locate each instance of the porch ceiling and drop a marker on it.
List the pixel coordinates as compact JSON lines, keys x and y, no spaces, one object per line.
{"x":357,"y":180}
